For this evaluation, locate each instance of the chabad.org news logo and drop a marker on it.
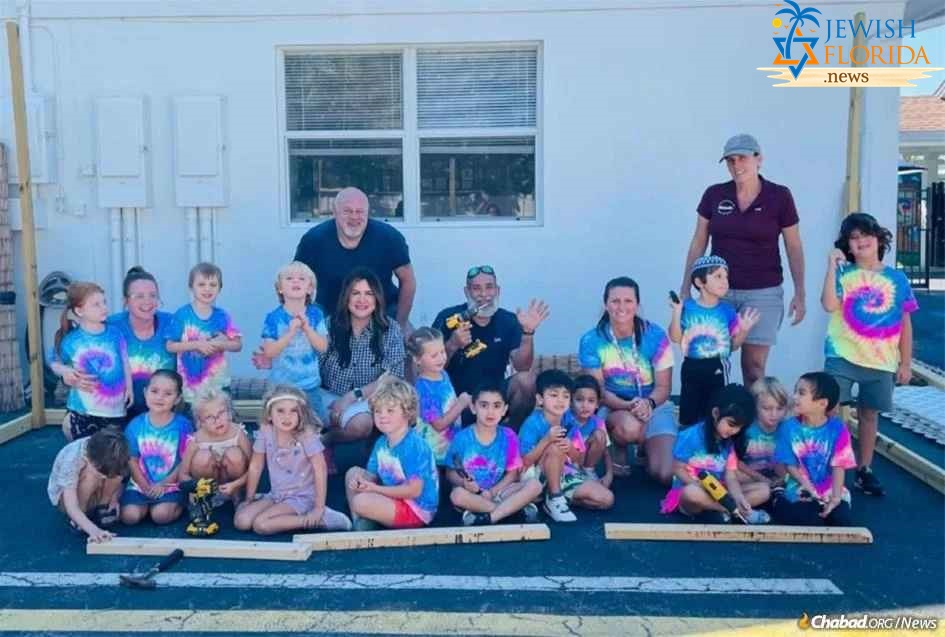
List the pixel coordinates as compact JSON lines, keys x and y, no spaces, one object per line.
{"x":866,"y":621}
{"x":874,"y":62}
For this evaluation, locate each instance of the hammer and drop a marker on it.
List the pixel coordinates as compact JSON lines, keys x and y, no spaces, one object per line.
{"x":146,"y":580}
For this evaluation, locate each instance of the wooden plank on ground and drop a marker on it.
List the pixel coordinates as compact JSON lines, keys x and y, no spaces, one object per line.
{"x":247,"y":410}
{"x":739,"y":533}
{"x":232,"y":549}
{"x":16,"y":427}
{"x":928,"y":374}
{"x":926,"y":471}
{"x":424,"y":537}
{"x":54,"y":417}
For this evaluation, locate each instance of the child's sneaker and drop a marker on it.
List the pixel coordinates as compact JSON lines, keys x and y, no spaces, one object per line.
{"x":363,"y":524}
{"x":530,"y":511}
{"x":757,"y":516}
{"x":476,"y":519}
{"x":557,"y":508}
{"x":867,"y":482}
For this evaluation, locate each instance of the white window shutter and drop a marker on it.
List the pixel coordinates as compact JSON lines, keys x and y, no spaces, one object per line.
{"x":477,"y":88}
{"x":339,"y":92}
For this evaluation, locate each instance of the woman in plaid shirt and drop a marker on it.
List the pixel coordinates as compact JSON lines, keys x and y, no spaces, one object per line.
{"x":364,"y":344}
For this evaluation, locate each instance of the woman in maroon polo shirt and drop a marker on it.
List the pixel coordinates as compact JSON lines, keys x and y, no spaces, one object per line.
{"x":745,"y":218}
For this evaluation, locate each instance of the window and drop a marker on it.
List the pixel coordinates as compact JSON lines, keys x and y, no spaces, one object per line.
{"x":465,"y":136}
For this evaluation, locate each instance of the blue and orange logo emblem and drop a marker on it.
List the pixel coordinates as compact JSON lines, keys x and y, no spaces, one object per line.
{"x":795,"y":43}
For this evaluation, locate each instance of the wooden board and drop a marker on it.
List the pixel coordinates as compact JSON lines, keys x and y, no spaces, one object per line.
{"x":926,"y":471}
{"x":16,"y":427}
{"x":424,"y":537}
{"x":739,"y":533}
{"x":54,"y":417}
{"x":235,"y":549}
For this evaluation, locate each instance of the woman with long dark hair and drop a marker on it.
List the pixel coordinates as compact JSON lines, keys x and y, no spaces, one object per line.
{"x":632,"y":360}
{"x":364,"y":344}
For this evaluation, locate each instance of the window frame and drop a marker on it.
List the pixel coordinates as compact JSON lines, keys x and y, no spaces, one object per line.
{"x":411,"y":134}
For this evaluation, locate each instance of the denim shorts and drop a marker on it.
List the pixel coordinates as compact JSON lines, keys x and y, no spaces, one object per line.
{"x":355,"y":408}
{"x":874,"y":386}
{"x":662,"y":422}
{"x":770,"y":304}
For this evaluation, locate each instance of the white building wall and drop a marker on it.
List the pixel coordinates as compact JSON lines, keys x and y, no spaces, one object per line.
{"x":636,"y":104}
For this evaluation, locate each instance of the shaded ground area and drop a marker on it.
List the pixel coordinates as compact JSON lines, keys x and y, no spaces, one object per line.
{"x":928,"y":325}
{"x":905,"y":567}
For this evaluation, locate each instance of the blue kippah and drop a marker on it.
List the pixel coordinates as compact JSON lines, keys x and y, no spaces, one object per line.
{"x":711,"y":261}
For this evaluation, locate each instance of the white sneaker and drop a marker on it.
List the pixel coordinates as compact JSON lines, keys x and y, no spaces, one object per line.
{"x":469,"y":518}
{"x":557,"y":508}
{"x":530,"y":511}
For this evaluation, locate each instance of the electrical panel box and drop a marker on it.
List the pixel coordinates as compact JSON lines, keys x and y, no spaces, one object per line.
{"x":199,"y":152}
{"x":123,"y":152}
{"x":41,"y":131}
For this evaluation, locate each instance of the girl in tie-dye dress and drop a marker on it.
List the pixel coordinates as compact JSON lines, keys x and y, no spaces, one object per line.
{"x":869,"y":337}
{"x":92,"y":359}
{"x":157,"y":440}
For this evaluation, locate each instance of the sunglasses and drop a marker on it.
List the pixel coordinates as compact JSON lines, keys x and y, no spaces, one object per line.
{"x":480,"y":269}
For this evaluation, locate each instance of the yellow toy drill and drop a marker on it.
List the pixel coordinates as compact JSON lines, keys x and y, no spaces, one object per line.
{"x":200,"y":506}
{"x":719,"y":493}
{"x":452,"y":322}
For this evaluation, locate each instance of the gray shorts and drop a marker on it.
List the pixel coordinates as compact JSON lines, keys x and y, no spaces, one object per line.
{"x":662,"y":422}
{"x":355,"y":408}
{"x":874,"y":386}
{"x":770,"y":303}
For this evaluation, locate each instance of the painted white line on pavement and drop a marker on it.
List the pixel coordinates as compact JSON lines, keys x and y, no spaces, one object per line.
{"x":665,"y":585}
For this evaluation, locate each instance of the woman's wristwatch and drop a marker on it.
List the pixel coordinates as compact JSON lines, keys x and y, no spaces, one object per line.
{"x":358,"y":393}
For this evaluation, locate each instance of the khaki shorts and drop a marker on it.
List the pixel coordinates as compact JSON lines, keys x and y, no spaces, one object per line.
{"x":770,"y":303}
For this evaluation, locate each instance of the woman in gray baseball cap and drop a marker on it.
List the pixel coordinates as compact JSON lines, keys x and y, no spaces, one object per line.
{"x":745,"y":218}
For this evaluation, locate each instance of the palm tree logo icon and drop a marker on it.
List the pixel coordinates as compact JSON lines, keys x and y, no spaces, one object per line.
{"x":799,"y":17}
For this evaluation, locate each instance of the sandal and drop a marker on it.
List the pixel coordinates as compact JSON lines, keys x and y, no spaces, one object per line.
{"x":104,"y":517}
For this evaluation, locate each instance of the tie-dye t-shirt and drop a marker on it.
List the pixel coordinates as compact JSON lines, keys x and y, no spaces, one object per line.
{"x":157,"y":450}
{"x":536,"y":427}
{"x":816,"y":451}
{"x":594,"y":423}
{"x":297,"y":364}
{"x":628,"y":371}
{"x":197,"y":370}
{"x":690,"y":449}
{"x":707,"y":332}
{"x":102,"y":356}
{"x":486,"y":464}
{"x":435,"y":399}
{"x":866,"y":329}
{"x":410,"y":458}
{"x":148,"y":356}
{"x":759,"y":448}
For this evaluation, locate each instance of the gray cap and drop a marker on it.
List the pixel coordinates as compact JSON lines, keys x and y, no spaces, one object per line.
{"x":742,"y":144}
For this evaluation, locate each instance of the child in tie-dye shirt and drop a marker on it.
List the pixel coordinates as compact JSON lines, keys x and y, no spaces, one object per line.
{"x":816,"y":450}
{"x":553,"y":450}
{"x":203,"y":333}
{"x":157,"y":440}
{"x":92,"y":358}
{"x":400,"y":487}
{"x":584,"y":404}
{"x":439,"y":416}
{"x":708,"y":329}
{"x":713,"y":446}
{"x":484,"y":465}
{"x":869,"y":337}
{"x":758,"y":461}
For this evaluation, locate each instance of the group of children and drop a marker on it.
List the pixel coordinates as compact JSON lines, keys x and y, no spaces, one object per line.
{"x":742,"y":438}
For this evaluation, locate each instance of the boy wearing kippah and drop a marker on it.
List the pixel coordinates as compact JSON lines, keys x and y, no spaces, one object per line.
{"x":708,"y":330}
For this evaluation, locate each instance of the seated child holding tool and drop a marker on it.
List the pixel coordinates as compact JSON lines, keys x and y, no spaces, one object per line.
{"x":484,"y":465}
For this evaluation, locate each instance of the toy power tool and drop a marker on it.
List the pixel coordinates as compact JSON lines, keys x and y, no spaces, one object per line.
{"x":452,"y":322}
{"x":719,"y":493}
{"x":200,"y":506}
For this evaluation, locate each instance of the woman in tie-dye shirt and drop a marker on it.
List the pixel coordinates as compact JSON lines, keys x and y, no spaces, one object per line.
{"x":632,"y":360}
{"x":869,"y":337}
{"x":93,"y":361}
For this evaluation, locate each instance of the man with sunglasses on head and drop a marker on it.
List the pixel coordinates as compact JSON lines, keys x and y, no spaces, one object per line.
{"x":507,"y":337}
